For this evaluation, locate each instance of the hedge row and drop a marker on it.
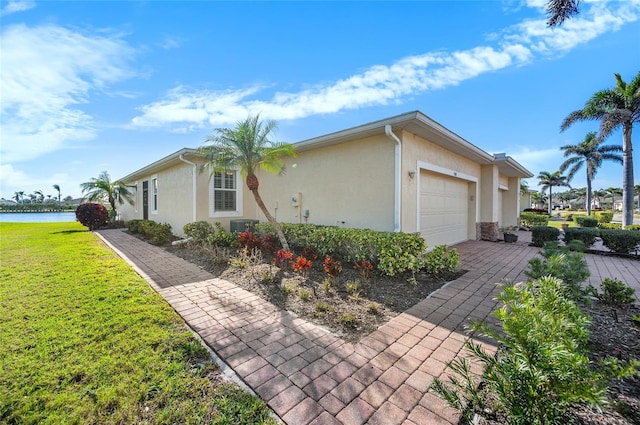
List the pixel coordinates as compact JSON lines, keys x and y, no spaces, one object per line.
{"x":160,"y":234}
{"x":531,"y":219}
{"x":617,"y":240}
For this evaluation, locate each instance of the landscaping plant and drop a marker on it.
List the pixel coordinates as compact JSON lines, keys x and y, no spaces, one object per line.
{"x":93,"y":216}
{"x":441,"y":260}
{"x":615,"y":293}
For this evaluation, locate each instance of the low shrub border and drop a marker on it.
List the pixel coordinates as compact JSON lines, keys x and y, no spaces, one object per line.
{"x":587,"y":235}
{"x":160,"y":234}
{"x":530,"y":219}
{"x":620,"y":241}
{"x":585,"y":221}
{"x":542,"y":234}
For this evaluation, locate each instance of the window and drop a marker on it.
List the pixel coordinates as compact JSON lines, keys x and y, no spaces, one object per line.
{"x":154,"y":191}
{"x":226,"y":198}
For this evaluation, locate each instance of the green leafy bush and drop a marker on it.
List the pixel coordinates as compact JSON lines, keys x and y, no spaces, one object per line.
{"x":441,"y":260}
{"x":587,"y":235}
{"x":135,"y":226}
{"x":542,"y":234}
{"x":390,"y":252}
{"x":570,"y":267}
{"x":633,"y":227}
{"x":91,"y":215}
{"x":199,"y":231}
{"x":585,"y":221}
{"x":616,"y":293}
{"x":160,"y":234}
{"x":604,"y":216}
{"x":576,"y":245}
{"x":530,"y":219}
{"x":543,"y":368}
{"x":609,"y":225}
{"x":220,"y":237}
{"x":621,"y":241}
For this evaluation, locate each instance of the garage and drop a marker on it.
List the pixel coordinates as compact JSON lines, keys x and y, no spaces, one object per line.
{"x":443,"y":209}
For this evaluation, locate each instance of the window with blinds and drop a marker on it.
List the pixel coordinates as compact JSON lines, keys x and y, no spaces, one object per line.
{"x":224,"y":191}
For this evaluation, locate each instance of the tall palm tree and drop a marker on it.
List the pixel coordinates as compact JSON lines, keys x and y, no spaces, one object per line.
{"x":18,"y":196}
{"x":559,"y":11}
{"x":636,"y":192}
{"x":40,"y":195}
{"x":548,"y":180}
{"x":248,"y":147}
{"x":591,"y":153}
{"x":57,"y":187}
{"x":538,"y":199}
{"x":103,"y":189}
{"x":615,"y":108}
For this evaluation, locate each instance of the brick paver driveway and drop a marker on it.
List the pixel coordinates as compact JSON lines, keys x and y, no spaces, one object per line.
{"x":308,"y":376}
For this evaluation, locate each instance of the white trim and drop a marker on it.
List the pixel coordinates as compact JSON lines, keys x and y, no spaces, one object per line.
{"x":239,"y":201}
{"x":155,"y":195}
{"x":397,"y":179}
{"x":503,"y":187}
{"x":426,"y":166}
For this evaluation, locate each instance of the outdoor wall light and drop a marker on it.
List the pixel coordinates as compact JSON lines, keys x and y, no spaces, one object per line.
{"x":412,"y":174}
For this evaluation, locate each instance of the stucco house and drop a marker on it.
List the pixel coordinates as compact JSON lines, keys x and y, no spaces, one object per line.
{"x":405,"y":173}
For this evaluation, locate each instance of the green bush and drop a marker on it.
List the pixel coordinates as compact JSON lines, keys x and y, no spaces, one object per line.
{"x":585,"y":221}
{"x":542,"y":234}
{"x":159,"y":234}
{"x":621,"y":241}
{"x":604,"y":216}
{"x":609,"y":225}
{"x":616,"y":293}
{"x":587,"y":235}
{"x":220,"y":237}
{"x":441,"y":260}
{"x":392,"y":253}
{"x":633,"y":227}
{"x":577,"y":245}
{"x":543,"y":368}
{"x":199,"y":231}
{"x":568,"y":266}
{"x":530,"y":219}
{"x":135,"y":226}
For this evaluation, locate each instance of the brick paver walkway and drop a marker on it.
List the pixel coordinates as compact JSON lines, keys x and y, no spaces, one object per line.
{"x":308,"y":376}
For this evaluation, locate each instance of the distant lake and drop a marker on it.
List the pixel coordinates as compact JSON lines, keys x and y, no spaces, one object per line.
{"x":45,"y":217}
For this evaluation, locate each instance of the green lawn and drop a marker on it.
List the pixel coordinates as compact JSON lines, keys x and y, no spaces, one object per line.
{"x":85,"y":340}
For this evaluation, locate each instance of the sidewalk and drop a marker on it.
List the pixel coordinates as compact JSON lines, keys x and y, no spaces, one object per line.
{"x":308,"y":376}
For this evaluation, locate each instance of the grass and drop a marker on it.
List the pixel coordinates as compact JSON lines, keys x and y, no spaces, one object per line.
{"x":84,"y":339}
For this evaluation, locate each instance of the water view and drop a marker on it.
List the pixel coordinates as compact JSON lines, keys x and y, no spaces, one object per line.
{"x":46,"y":217}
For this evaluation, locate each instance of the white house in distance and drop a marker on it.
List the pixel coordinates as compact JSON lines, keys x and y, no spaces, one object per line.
{"x":405,"y":173}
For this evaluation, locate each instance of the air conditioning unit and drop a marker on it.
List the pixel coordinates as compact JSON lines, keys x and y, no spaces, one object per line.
{"x":244,"y":225}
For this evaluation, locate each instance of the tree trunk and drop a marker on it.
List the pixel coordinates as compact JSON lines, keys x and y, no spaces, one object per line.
{"x":550,"y":201}
{"x":627,"y":176}
{"x":271,"y":219}
{"x":588,"y":195}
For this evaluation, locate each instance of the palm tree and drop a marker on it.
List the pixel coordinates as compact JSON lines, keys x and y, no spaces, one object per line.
{"x":560,"y":10}
{"x":57,"y":187}
{"x":538,"y":199}
{"x":591,"y":153}
{"x":636,"y":192}
{"x":615,"y":108}
{"x":103,"y":189}
{"x":40,"y":195}
{"x":613,"y":191}
{"x":548,"y":180}
{"x":18,"y":196}
{"x":248,"y":147}
{"x":600,"y":193}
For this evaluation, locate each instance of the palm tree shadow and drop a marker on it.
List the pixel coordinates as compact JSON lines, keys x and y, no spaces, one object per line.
{"x":69,"y":231}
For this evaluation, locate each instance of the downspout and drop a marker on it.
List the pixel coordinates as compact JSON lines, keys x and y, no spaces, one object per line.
{"x":398,"y":177}
{"x":195,"y":170}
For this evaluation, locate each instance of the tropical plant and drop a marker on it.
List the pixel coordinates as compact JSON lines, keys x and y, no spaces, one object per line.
{"x":93,"y":216}
{"x":615,"y":108}
{"x":102,"y":189}
{"x":590,"y":153}
{"x":19,"y":196}
{"x":548,"y":180}
{"x":559,"y":11}
{"x":613,"y":192}
{"x":57,"y":187}
{"x":600,"y":193}
{"x":538,"y":199}
{"x":248,"y":147}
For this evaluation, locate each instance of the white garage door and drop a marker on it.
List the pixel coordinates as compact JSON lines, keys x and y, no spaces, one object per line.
{"x":444,"y":209}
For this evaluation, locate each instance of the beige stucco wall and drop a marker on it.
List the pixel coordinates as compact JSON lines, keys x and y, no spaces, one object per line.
{"x":511,"y":202}
{"x":349,"y":184}
{"x":415,"y":149}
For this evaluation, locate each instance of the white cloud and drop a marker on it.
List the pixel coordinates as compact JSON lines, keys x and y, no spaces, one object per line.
{"x":15,"y":180}
{"x":46,"y":72}
{"x":17,"y":6}
{"x":185,"y":110}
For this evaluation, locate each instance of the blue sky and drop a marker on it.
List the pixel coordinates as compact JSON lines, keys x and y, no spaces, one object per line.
{"x":87,"y":86}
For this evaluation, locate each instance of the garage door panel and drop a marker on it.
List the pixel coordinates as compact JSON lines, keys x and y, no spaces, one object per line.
{"x":443,"y":209}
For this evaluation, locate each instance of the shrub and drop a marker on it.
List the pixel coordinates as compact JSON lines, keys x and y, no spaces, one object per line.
{"x":604,"y":216}
{"x":542,"y":234}
{"x":616,"y":293}
{"x":585,"y":221}
{"x":332,"y":267}
{"x":587,"y":235}
{"x":93,"y":216}
{"x":543,"y":369}
{"x":283,"y":257}
{"x":390,"y":252}
{"x":301,"y":265}
{"x":633,"y":227}
{"x":160,"y":234}
{"x":247,"y":240}
{"x":441,"y":260}
{"x":530,"y":219}
{"x":135,"y":226}
{"x":577,"y":245}
{"x":621,"y":241}
{"x":222,"y":238}
{"x":536,"y":210}
{"x":609,"y":225}
{"x":199,"y":231}
{"x":364,"y":267}
{"x":562,"y":264}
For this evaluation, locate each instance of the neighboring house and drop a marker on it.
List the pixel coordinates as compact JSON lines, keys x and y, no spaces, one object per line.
{"x":617,"y":205}
{"x":405,"y":173}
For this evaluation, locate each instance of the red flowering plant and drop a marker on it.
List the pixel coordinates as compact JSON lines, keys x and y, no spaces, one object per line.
{"x":332,"y":268}
{"x":301,"y":265}
{"x":283,"y":257}
{"x":248,"y":241}
{"x":365,"y":268}
{"x":268,"y":243}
